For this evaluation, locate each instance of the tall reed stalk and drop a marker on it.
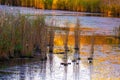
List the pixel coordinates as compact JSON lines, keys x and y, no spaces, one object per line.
{"x":51,"y":36}
{"x":92,"y":45}
{"x":77,"y":35}
{"x":66,"y":37}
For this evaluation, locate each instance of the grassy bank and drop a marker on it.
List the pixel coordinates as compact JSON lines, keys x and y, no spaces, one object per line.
{"x":20,"y":36}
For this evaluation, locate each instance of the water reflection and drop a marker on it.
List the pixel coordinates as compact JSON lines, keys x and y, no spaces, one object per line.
{"x":104,"y":66}
{"x":65,"y":73}
{"x":33,"y":71}
{"x":50,"y":57}
{"x":91,"y":69}
{"x":76,"y":66}
{"x":65,"y":64}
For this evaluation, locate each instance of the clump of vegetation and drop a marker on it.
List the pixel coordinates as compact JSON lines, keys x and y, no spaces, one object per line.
{"x":20,"y":35}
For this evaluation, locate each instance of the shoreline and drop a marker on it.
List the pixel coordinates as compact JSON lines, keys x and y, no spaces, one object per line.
{"x":62,"y":12}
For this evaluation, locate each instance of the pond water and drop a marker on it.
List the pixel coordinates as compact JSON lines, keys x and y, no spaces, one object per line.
{"x":105,"y":66}
{"x":104,"y":25}
{"x":106,"y":59}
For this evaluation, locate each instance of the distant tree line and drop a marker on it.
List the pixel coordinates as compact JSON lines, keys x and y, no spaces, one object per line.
{"x":110,"y":7}
{"x":11,"y":2}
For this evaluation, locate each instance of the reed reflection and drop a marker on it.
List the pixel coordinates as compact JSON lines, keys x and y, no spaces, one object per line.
{"x":76,"y":66}
{"x":50,"y":62}
{"x":65,"y":64}
{"x":43,"y":70}
{"x":91,"y":69}
{"x":22,"y":70}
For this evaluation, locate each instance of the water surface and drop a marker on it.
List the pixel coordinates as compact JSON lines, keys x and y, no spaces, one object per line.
{"x":106,"y":59}
{"x":105,"y":66}
{"x":92,"y":20}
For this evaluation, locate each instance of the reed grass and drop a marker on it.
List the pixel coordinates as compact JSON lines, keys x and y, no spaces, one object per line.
{"x":66,"y":37}
{"x":51,"y":35}
{"x":19,"y":35}
{"x":77,"y":34}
